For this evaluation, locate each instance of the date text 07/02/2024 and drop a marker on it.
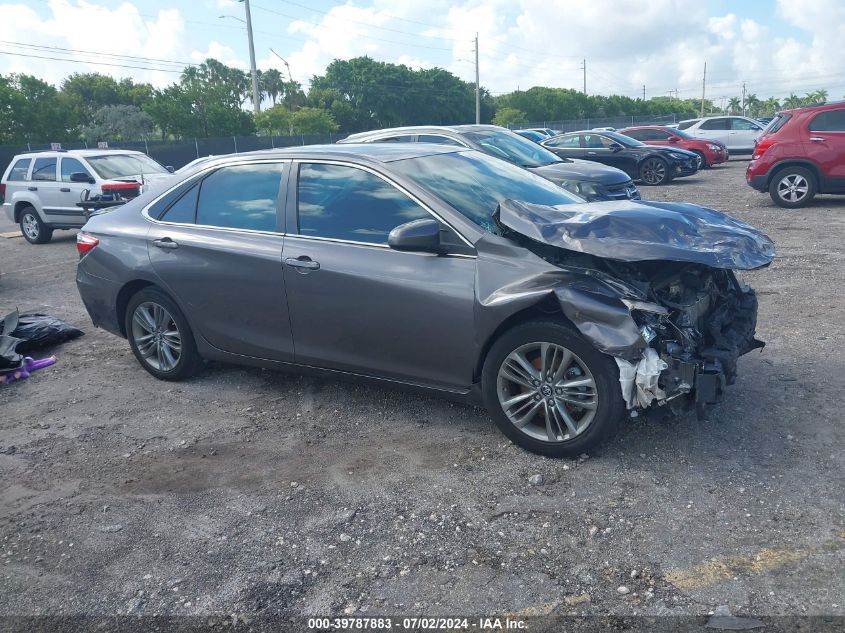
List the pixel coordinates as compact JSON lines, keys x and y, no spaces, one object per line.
{"x":416,"y":624}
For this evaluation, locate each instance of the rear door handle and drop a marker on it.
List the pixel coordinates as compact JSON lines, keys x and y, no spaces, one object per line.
{"x":64,"y":190}
{"x":817,"y":139}
{"x":33,"y":188}
{"x":166,"y":243}
{"x":304,"y":262}
{"x":592,"y":153}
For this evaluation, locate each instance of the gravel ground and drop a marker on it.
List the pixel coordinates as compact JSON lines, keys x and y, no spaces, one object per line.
{"x":247,"y":491}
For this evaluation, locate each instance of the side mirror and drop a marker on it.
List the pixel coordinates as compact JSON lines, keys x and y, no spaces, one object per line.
{"x":81,"y":176}
{"x":170,"y":168}
{"x":674,"y":139}
{"x":416,"y":236}
{"x":615,"y":147}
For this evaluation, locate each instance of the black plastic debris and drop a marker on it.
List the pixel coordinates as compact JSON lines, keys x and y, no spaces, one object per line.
{"x":22,"y":333}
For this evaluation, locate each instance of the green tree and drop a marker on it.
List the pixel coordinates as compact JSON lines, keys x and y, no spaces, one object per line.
{"x":272,"y":84}
{"x":507,"y":117}
{"x":771,"y":106}
{"x":792,"y":101}
{"x":734,"y":105}
{"x":36,"y":111}
{"x":313,"y":121}
{"x":752,"y":105}
{"x":275,"y":120}
{"x":119,"y":123}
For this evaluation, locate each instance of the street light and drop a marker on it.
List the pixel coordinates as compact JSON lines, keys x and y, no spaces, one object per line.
{"x":256,"y":96}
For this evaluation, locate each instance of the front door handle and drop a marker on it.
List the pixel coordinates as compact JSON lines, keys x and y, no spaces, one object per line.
{"x":166,"y":243}
{"x":817,"y":139}
{"x":65,"y":190}
{"x":302,"y":262}
{"x":592,"y":153}
{"x":33,"y":188}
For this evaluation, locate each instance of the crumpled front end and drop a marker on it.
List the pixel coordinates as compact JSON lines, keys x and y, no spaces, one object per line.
{"x":653,"y":285}
{"x":702,"y":321}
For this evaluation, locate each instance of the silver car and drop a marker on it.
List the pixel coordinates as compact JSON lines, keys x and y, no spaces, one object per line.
{"x":433,"y":267}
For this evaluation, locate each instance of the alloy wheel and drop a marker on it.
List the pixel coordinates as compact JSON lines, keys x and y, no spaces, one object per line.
{"x":29,"y":224}
{"x":793,"y":188}
{"x":156,"y":336}
{"x":547,"y":392}
{"x":654,"y":171}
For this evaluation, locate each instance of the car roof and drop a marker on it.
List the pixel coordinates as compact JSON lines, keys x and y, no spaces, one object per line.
{"x":378,"y":152}
{"x":818,"y":107}
{"x":76,"y":152}
{"x":421,"y":129}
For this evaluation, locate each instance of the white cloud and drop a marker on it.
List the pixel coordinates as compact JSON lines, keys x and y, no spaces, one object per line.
{"x":662,"y":44}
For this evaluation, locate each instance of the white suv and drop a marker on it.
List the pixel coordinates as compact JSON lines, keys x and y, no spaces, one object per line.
{"x":737,"y":133}
{"x":40,"y":190}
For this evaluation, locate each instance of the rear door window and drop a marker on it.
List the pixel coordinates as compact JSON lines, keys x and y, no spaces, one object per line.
{"x":830,"y":121}
{"x":346,"y":203}
{"x":20,"y":169}
{"x":565,"y":141}
{"x":714,"y":124}
{"x":183,"y":211}
{"x":241,"y":197}
{"x":407,"y":138}
{"x":683,"y":125}
{"x":440,"y":140}
{"x":44,"y":169}
{"x":640,"y":135}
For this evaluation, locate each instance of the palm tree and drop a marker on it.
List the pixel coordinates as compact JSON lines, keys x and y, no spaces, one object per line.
{"x":734,"y":105}
{"x":792,"y":101}
{"x":771,"y":105}
{"x":273,"y":84}
{"x":752,"y":104}
{"x":821,"y":95}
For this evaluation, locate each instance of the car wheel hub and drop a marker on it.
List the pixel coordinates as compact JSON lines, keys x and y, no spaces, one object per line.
{"x":547,"y":392}
{"x":793,"y":188}
{"x":156,"y":336}
{"x":30,"y":226}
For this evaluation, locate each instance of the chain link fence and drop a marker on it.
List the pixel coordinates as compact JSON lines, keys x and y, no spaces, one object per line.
{"x":181,"y":152}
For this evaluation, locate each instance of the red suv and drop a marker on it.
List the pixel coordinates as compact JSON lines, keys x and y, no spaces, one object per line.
{"x":801,"y":153}
{"x":710,"y":152}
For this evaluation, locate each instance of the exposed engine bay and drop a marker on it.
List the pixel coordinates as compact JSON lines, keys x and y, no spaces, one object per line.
{"x":675,"y":328}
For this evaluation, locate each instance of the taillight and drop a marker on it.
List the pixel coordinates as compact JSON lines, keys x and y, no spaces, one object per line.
{"x":761,"y":147}
{"x":125,"y":189}
{"x":2,"y":193}
{"x":85,"y":243}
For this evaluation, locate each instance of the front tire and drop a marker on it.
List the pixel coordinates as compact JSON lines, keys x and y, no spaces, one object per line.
{"x":549,"y":391}
{"x":160,"y":336}
{"x":33,"y":229}
{"x":793,"y":187}
{"x":655,"y":172}
{"x":702,"y":161}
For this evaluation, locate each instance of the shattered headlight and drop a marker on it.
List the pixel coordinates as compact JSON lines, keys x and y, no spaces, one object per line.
{"x":584,"y":189}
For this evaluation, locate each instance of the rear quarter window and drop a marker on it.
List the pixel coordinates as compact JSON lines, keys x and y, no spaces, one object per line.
{"x":19,"y":170}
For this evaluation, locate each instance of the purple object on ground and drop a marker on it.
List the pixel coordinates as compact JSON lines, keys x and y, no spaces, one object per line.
{"x":29,"y":365}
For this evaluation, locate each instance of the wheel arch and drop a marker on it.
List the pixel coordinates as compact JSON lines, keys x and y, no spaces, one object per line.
{"x":129,"y":290}
{"x":807,"y":164}
{"x":20,"y":205}
{"x":547,"y":308}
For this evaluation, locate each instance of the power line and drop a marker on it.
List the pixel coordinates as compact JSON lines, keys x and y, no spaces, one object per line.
{"x":98,"y":53}
{"x":82,"y":61}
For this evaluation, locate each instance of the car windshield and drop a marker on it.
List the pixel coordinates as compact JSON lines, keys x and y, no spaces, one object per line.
{"x":111,"y":166}
{"x":474,"y":184}
{"x":625,"y":141}
{"x":513,"y":148}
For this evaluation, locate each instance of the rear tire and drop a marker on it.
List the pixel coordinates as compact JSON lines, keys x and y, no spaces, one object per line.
{"x":160,"y":336}
{"x":793,"y":187}
{"x":33,"y":229}
{"x":582,"y":374}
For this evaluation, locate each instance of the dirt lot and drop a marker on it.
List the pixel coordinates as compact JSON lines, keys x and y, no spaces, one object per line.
{"x":247,"y":491}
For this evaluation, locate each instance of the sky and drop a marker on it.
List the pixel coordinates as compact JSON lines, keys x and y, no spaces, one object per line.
{"x":774,"y":46}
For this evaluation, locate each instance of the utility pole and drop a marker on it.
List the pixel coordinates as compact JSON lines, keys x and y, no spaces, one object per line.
{"x":643,"y":92}
{"x":584,"y":67}
{"x":703,"y":83}
{"x":256,"y":96}
{"x":477,"y":85}
{"x":743,"y":98}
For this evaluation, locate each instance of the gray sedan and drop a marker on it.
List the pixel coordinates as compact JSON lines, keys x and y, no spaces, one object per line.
{"x":432,"y":267}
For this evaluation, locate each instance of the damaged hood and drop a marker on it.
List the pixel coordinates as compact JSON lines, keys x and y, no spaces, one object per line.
{"x":638,"y":231}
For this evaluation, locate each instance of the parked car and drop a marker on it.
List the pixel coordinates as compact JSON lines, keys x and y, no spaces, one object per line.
{"x":41,"y":189}
{"x":435,"y":267}
{"x":532,"y":135}
{"x":708,"y":151}
{"x":590,"y":181}
{"x":801,"y":153}
{"x":650,"y":164}
{"x":765,"y":120}
{"x":546,"y":131}
{"x":737,"y":133}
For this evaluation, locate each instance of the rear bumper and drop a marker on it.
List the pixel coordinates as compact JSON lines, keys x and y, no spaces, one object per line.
{"x":757,"y":182}
{"x":100,"y":299}
{"x":9,"y":211}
